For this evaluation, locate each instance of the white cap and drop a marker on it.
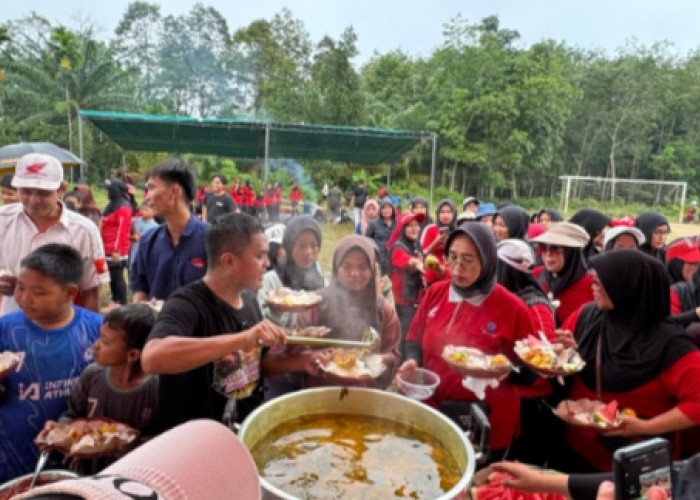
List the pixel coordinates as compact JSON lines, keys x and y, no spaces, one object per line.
{"x":516,"y":253}
{"x":614,"y":232}
{"x":38,"y":171}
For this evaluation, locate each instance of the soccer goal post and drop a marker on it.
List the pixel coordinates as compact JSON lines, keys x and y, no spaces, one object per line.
{"x":606,"y":189}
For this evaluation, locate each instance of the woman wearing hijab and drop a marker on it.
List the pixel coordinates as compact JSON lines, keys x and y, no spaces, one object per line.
{"x":511,"y":221}
{"x":634,"y":354}
{"x":433,"y":241}
{"x":419,"y":206}
{"x":406,"y":273}
{"x":515,"y":259}
{"x":369,"y":214}
{"x":682,"y":258}
{"x":116,"y":233}
{"x":655,"y":228}
{"x":548,"y":215}
{"x":472,"y":310}
{"x":594,"y":222}
{"x":297,"y":270}
{"x":380,"y":230}
{"x":563,"y":275}
{"x":351,"y":303}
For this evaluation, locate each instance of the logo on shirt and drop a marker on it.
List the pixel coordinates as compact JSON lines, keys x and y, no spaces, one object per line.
{"x":197,"y":262}
{"x":87,"y":355}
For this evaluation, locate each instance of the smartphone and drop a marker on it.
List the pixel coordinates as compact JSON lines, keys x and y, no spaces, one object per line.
{"x":640,"y":466}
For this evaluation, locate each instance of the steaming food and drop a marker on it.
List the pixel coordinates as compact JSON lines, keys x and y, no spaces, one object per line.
{"x":286,"y":297}
{"x":329,"y":456}
{"x":88,"y":437}
{"x":354,"y":364}
{"x":315,"y":332}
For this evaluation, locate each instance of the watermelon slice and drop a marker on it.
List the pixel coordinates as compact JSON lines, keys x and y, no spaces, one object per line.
{"x":607,"y":415}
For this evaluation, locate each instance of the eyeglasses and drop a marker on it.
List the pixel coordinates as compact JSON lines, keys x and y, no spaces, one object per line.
{"x":551,"y":249}
{"x":462,"y":260}
{"x":661,"y":232}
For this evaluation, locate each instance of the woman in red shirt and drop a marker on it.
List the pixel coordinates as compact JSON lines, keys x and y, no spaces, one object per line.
{"x":406,"y":273}
{"x":634,"y":354}
{"x":563,"y":276}
{"x":472,"y":310}
{"x":433,"y":240}
{"x":116,"y":232}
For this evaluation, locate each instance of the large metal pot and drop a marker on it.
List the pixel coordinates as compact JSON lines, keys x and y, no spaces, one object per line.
{"x":48,"y":476}
{"x":359,"y":401}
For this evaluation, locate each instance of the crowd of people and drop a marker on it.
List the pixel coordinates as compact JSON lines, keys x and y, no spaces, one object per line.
{"x":200,"y":333}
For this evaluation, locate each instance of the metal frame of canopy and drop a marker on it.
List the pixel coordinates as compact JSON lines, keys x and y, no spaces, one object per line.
{"x":257,"y":140}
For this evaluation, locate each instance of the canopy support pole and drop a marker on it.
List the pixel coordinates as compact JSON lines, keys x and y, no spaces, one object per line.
{"x":683,"y":192}
{"x":266,"y":166}
{"x":432,"y":168}
{"x":80,"y":147}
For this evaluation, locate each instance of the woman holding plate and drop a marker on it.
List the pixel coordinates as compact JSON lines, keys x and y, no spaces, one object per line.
{"x":634,"y":354}
{"x":470,"y":310}
{"x":351,"y":304}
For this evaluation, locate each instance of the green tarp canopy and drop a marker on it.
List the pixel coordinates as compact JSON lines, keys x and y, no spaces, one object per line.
{"x":253,"y":140}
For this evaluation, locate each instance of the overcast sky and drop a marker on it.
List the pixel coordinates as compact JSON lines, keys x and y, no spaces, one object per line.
{"x":415,"y":26}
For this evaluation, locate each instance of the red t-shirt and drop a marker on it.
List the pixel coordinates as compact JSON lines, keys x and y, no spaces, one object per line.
{"x":491,"y":327}
{"x":116,"y":230}
{"x":572,"y":298}
{"x":295,"y":195}
{"x":237,"y":195}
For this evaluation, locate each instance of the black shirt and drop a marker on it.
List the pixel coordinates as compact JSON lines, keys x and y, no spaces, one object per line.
{"x":194,"y":311}
{"x":218,"y":205}
{"x":360,"y":193}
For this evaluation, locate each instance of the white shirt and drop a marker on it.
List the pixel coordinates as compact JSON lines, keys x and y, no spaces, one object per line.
{"x":21,"y":236}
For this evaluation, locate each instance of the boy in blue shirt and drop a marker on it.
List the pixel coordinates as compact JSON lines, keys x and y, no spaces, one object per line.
{"x":53,"y":339}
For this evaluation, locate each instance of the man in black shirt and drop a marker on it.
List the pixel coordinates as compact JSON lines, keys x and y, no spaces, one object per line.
{"x":217,"y":202}
{"x":209,"y":340}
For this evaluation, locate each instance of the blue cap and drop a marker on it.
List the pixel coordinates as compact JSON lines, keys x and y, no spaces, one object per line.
{"x":485,"y":209}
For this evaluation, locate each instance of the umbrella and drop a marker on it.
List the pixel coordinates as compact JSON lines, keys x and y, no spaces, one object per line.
{"x":10,"y":154}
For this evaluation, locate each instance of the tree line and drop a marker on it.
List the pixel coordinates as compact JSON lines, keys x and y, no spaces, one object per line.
{"x":510,"y":119}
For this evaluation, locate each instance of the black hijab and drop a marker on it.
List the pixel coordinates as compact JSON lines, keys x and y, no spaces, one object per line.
{"x":648,"y":222}
{"x":675,"y":270}
{"x":689,"y":293}
{"x":554,"y":216}
{"x":453,"y":208}
{"x":419,"y":200}
{"x":516,"y":219}
{"x":524,"y":285}
{"x":485,"y":244}
{"x":638,"y":341}
{"x":593,"y":222}
{"x":118,"y":195}
{"x":291,"y":275}
{"x":574,"y":269}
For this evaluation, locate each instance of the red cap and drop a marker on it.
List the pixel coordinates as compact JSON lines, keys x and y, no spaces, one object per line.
{"x":685,"y":250}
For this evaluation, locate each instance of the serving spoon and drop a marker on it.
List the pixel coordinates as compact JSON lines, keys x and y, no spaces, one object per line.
{"x":40,"y":463}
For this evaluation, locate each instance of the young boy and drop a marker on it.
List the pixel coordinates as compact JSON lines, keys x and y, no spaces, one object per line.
{"x":115,"y":386}
{"x":8,"y":193}
{"x":140,"y":225}
{"x":53,"y":339}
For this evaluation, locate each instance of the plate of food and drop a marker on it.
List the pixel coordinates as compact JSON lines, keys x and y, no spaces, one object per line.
{"x":288,"y":300}
{"x":308,"y":332}
{"x":549,"y":360}
{"x":354,"y":364}
{"x":88,"y":438}
{"x":592,"y":414}
{"x":8,"y":362}
{"x":474,"y":363}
